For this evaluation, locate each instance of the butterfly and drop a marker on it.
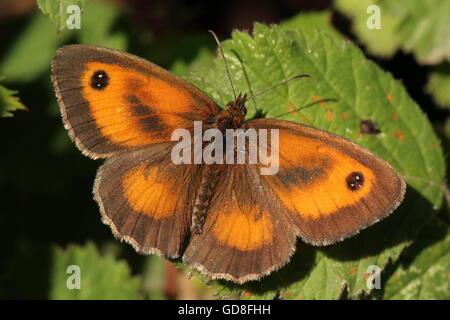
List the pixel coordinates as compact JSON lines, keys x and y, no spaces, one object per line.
{"x":229,"y":221}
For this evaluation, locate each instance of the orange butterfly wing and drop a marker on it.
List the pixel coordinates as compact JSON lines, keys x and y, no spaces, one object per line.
{"x":112,"y":102}
{"x":331,"y":186}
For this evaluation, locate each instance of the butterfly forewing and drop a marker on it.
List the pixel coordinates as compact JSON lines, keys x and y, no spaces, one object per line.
{"x":331,"y":186}
{"x":114,"y":102}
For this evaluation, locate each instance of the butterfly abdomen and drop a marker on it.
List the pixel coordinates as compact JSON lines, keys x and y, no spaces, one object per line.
{"x":203,"y":198}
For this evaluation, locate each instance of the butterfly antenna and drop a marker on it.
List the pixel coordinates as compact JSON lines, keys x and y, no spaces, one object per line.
{"x":280,"y":84}
{"x":224,"y":61}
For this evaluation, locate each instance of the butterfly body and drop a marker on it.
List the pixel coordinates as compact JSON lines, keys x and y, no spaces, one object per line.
{"x":227,"y":219}
{"x":210,"y":177}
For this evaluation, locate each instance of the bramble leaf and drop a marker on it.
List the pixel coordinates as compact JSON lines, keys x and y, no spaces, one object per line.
{"x":100,"y":277}
{"x":424,"y":270}
{"x":59,"y":11}
{"x":312,"y":20}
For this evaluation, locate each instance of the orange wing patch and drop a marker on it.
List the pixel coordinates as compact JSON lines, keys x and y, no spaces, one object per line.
{"x":134,"y":108}
{"x":147,"y":193}
{"x":248,"y":230}
{"x":313,"y":179}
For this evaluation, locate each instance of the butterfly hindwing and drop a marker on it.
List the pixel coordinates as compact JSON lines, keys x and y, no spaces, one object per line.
{"x":147,"y":200}
{"x":246,"y":234}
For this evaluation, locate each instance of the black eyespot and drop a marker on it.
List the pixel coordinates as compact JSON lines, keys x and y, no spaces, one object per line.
{"x":99,"y":80}
{"x":355,"y":181}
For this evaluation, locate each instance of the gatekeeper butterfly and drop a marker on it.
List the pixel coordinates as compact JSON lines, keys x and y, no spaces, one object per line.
{"x":228,"y":221}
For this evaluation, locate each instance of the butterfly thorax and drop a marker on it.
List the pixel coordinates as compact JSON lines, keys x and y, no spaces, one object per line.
{"x":232,"y":117}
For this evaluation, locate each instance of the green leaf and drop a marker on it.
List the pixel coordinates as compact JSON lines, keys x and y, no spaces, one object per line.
{"x":417,"y":26}
{"x":9,"y":102}
{"x":59,"y":11}
{"x":344,"y":89}
{"x":180,"y":67}
{"x":424,"y":271}
{"x":154,"y":277}
{"x":383,"y":42}
{"x":97,"y":24}
{"x":312,"y":20}
{"x":101,"y":277}
{"x":30,"y":55}
{"x":439,"y":85}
